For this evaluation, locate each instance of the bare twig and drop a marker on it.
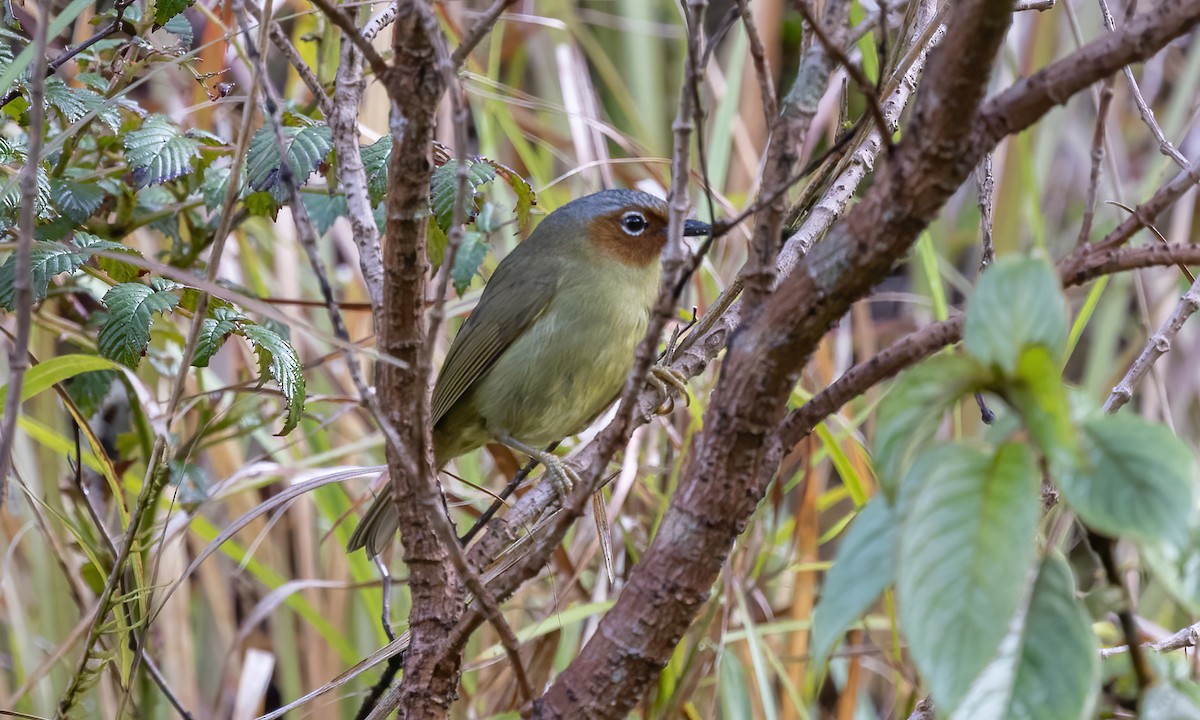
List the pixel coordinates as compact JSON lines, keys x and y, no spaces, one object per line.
{"x":762,"y":69}
{"x":478,"y":32}
{"x":1039,"y":5}
{"x":984,"y":184}
{"x":18,"y":356}
{"x":280,"y":39}
{"x":348,"y":28}
{"x":1164,"y":145}
{"x":379,"y":21}
{"x":1099,"y":141}
{"x":1156,"y":346}
{"x":868,"y":88}
{"x":1188,"y":637}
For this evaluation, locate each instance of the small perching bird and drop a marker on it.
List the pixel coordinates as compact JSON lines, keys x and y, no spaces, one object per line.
{"x":548,"y":347}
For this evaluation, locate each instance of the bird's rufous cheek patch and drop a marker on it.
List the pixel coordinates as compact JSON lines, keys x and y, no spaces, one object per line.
{"x":636,"y":250}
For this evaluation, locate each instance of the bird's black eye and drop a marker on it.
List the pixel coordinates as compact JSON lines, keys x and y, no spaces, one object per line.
{"x":633,"y":222}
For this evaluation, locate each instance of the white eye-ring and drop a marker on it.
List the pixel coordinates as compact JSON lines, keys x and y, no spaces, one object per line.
{"x":633,"y":223}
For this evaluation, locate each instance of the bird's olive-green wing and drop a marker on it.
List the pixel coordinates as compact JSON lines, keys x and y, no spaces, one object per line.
{"x":505,"y":311}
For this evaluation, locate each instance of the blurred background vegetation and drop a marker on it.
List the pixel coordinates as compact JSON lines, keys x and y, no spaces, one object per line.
{"x":573,"y":96}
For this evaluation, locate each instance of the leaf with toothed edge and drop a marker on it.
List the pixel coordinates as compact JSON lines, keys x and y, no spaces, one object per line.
{"x":159,"y":152}
{"x":125,"y":336}
{"x":279,"y":360}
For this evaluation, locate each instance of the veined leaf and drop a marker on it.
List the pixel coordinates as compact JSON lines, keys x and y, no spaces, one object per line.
{"x":159,"y":151}
{"x":118,"y":270}
{"x":132,"y":306}
{"x":966,"y":548}
{"x":1017,"y":304}
{"x":214,"y":330}
{"x":912,"y":410}
{"x":1138,"y":480}
{"x":47,"y":259}
{"x":278,"y":359}
{"x":470,"y":255}
{"x":444,"y":184}
{"x":77,"y":201}
{"x":307,"y":147}
{"x":375,"y":161}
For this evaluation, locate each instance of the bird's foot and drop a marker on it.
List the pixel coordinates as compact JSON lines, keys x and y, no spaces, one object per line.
{"x":563,"y":477}
{"x":663,"y":378}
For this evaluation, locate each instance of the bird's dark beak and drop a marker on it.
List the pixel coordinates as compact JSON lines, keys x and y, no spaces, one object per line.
{"x":694,"y":228}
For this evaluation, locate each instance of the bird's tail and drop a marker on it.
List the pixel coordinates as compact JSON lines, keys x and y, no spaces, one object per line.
{"x":378,"y":525}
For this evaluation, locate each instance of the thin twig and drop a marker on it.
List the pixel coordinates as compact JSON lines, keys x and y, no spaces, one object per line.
{"x":762,"y":68}
{"x":1099,"y":141}
{"x":343,"y":21}
{"x":1156,"y":346}
{"x":985,"y":184}
{"x":478,"y":32}
{"x":379,"y":21}
{"x":18,"y":356}
{"x":1188,"y":637}
{"x":118,"y":25}
{"x":865,"y":86}
{"x":1147,"y":115}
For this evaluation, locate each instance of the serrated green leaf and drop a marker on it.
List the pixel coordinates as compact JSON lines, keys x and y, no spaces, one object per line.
{"x":864,"y":567}
{"x":375,"y":161}
{"x":75,"y":103}
{"x":307,"y":148}
{"x":11,"y":199}
{"x":282,"y":363}
{"x":470,"y":255}
{"x":88,"y":390}
{"x":179,"y":25}
{"x":214,"y":187}
{"x":1017,"y":304}
{"x":159,"y":151}
{"x":214,"y":331}
{"x":966,"y":548}
{"x":324,"y":209}
{"x":164,"y":10}
{"x":261,"y":204}
{"x":125,"y":335}
{"x":912,"y":411}
{"x":443,"y":185}
{"x":46,"y":259}
{"x":77,"y":201}
{"x":1137,"y":480}
{"x":118,"y":270}
{"x":526,"y":198}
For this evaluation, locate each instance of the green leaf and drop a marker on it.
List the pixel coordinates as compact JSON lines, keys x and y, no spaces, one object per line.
{"x":214,"y":187}
{"x":1137,"y":480}
{"x":912,"y":411}
{"x":324,"y":209}
{"x":11,"y":199}
{"x":375,"y":162}
{"x":279,"y":359}
{"x":864,"y":567}
{"x":1038,"y":394}
{"x":75,"y":103}
{"x":526,"y":198}
{"x":1048,"y":667}
{"x":77,"y":201}
{"x":261,"y":204}
{"x":1166,"y":702}
{"x":1058,"y":677}
{"x":444,"y":184}
{"x":118,"y":270}
{"x":467,"y":261}
{"x":46,"y":374}
{"x":966,"y":547}
{"x":89,"y":389}
{"x":214,"y":331}
{"x":307,"y":148}
{"x":1017,"y":304}
{"x":178,"y":25}
{"x":159,"y":151}
{"x":164,"y":10}
{"x":1176,"y":566}
{"x":46,"y":259}
{"x":132,"y":306}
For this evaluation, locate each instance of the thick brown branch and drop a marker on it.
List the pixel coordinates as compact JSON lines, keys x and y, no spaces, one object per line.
{"x":727,"y":473}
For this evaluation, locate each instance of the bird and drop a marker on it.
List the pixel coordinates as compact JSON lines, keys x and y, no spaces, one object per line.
{"x":551,"y":340}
